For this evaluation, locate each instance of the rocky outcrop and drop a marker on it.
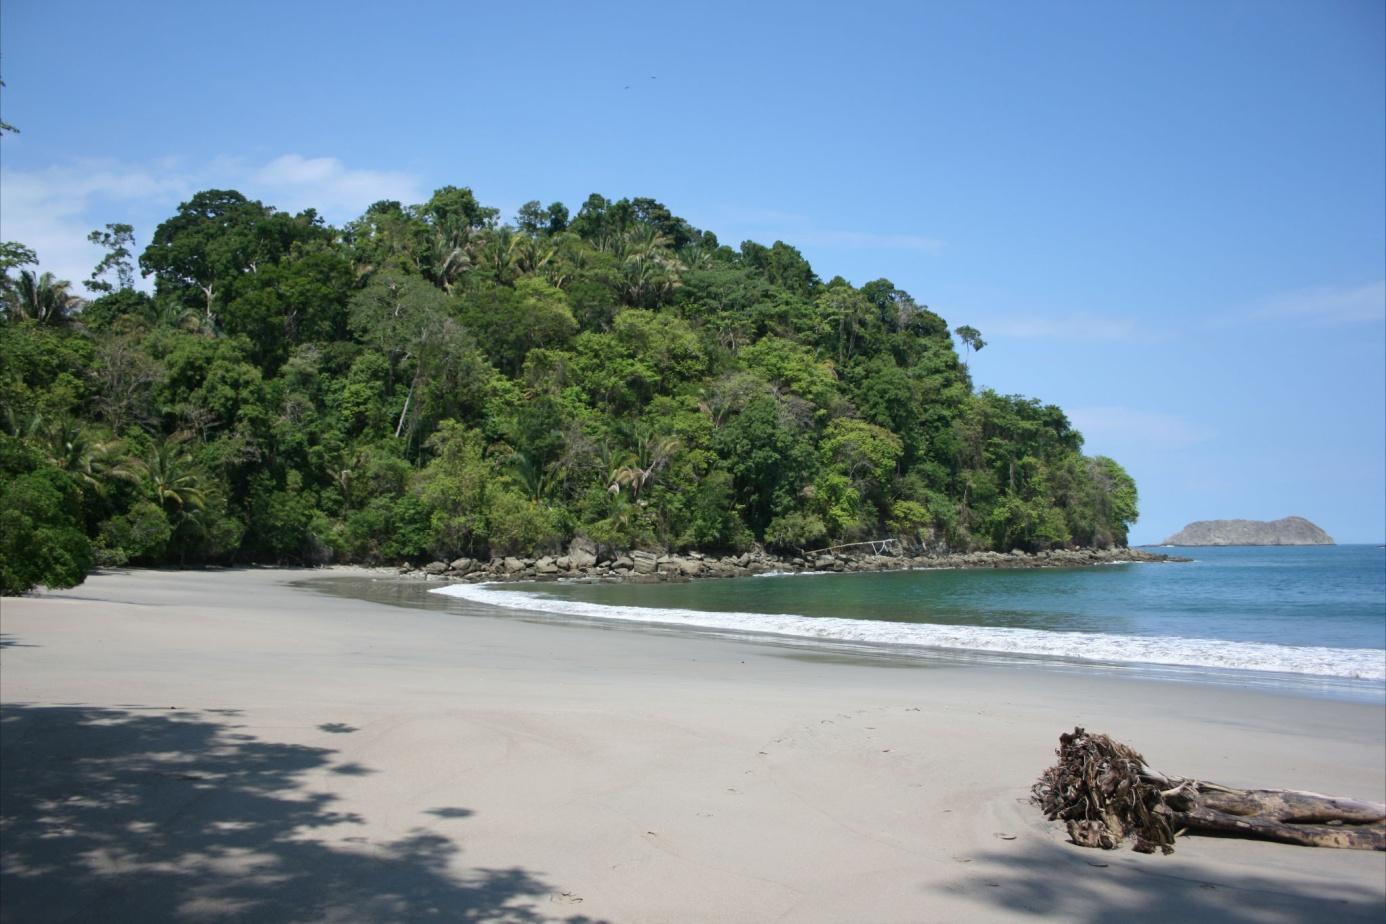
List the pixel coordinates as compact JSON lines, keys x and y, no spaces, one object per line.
{"x":1288,"y":531}
{"x":584,"y":563}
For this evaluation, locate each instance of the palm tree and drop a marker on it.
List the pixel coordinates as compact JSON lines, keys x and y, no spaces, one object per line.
{"x":651,"y":269}
{"x":174,"y":314}
{"x":453,"y":249}
{"x":68,"y":445}
{"x":170,"y":478}
{"x":22,"y":426}
{"x":43,"y":298}
{"x":529,"y":254}
{"x":567,"y":255}
{"x":638,"y":470}
{"x":528,"y":474}
{"x":498,"y":257}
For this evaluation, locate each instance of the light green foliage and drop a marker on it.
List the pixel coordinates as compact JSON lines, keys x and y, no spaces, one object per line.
{"x":520,"y":524}
{"x":840,"y":504}
{"x":795,"y":531}
{"x":456,"y":487}
{"x":910,"y":520}
{"x":867,"y":453}
{"x":794,"y":367}
{"x":664,"y":342}
{"x":610,"y":374}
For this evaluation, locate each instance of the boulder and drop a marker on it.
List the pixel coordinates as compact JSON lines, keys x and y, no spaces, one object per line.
{"x":582,"y":553}
{"x":435,"y":567}
{"x":691,"y":567}
{"x":463,"y":565}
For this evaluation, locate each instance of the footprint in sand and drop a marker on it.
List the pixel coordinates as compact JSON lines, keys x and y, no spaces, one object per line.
{"x":565,"y":898}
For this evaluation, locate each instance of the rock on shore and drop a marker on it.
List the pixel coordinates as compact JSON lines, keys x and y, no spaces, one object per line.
{"x":585,"y":561}
{"x":1287,"y":531}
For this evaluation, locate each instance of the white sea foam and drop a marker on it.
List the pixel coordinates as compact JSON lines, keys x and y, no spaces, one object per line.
{"x":1355,"y":663}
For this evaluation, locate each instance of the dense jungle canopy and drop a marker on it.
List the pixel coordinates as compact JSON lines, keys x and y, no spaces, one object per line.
{"x":429,"y":382}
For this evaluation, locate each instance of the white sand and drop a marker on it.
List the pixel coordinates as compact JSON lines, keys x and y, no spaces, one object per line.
{"x":334,"y":759}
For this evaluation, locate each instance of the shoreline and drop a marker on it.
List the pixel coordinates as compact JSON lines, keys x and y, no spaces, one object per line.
{"x":1353,"y":689}
{"x":224,"y":744}
{"x":586,"y":561}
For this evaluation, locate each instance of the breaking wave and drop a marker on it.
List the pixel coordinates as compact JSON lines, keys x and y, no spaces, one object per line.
{"x":1353,"y":663}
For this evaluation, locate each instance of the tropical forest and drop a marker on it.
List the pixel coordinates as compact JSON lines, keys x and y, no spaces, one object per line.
{"x":431,"y":381}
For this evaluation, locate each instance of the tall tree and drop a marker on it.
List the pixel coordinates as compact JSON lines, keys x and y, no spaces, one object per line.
{"x":971,"y":338}
{"x":117,"y":240}
{"x":217,"y":237}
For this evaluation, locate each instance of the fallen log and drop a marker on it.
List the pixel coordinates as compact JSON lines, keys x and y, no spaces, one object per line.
{"x":1105,"y":792}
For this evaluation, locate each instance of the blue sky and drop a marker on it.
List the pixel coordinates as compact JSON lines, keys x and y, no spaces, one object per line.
{"x":1167,"y":218}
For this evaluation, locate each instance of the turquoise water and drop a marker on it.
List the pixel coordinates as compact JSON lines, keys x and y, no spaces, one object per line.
{"x":1313,"y":610}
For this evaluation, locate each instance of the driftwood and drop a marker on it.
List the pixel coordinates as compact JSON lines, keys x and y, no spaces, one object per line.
{"x":1105,"y":792}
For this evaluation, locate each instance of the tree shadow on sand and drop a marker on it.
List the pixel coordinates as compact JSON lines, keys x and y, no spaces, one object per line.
{"x":123,"y":815}
{"x":1059,"y":882}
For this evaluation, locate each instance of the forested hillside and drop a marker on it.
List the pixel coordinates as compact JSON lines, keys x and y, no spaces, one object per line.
{"x":429,"y":381}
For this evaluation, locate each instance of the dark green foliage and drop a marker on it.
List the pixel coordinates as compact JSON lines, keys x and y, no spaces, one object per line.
{"x":140,"y":535}
{"x":41,"y":535}
{"x":430,"y":382}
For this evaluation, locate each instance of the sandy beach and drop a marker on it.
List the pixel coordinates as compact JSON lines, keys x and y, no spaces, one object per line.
{"x":226,"y":746}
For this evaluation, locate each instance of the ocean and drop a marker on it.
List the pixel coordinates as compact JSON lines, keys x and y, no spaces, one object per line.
{"x":1296,"y":612}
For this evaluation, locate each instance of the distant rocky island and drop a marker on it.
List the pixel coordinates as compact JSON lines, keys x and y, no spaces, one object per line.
{"x":1286,"y":531}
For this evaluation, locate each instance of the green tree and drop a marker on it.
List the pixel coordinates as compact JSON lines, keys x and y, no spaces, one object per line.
{"x":408,"y":320}
{"x":509,"y":322}
{"x":217,"y":238}
{"x":117,"y":240}
{"x":971,"y":338}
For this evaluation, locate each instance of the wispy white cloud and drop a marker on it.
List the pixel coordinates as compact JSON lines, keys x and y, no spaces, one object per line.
{"x":53,"y":209}
{"x":1334,"y":305}
{"x":1126,"y":427}
{"x":338,"y":192}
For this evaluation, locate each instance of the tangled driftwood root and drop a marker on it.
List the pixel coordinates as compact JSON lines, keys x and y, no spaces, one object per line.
{"x":1105,"y":792}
